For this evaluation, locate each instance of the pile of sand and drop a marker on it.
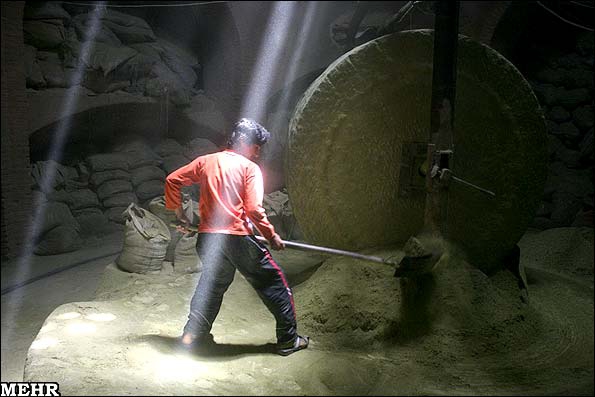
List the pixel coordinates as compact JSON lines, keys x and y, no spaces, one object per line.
{"x":461,"y":330}
{"x":357,"y":304}
{"x":567,"y":251}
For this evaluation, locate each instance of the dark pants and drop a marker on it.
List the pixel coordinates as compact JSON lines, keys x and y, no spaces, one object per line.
{"x":221,"y":255}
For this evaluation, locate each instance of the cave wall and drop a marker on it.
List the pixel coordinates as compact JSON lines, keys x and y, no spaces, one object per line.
{"x":557,"y":60}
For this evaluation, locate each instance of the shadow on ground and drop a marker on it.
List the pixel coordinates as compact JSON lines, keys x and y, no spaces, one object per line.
{"x":171,"y":345}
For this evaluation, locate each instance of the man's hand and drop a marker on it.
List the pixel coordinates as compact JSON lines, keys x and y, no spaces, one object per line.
{"x":277,"y":243}
{"x":184,"y":221}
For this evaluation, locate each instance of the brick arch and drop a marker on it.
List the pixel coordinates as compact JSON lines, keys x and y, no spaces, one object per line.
{"x":99,"y":128}
{"x":49,"y":105}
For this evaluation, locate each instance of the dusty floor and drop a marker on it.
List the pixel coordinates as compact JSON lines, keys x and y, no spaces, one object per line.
{"x":458,"y":332}
{"x":25,"y":309}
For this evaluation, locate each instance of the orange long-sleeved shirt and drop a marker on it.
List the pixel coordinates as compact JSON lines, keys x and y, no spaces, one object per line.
{"x":231,"y":192}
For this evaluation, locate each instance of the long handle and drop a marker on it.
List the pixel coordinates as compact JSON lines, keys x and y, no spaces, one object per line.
{"x":326,"y":250}
{"x":315,"y":248}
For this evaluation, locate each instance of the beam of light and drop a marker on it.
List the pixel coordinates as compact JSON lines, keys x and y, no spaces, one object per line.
{"x":267,"y":63}
{"x":55,"y":152}
{"x":303,"y":37}
{"x":279,"y":126}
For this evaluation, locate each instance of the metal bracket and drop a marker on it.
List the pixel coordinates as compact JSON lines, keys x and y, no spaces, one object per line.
{"x":411,"y":178}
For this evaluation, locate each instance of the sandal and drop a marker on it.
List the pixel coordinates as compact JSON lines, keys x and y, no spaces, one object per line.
{"x":301,"y":342}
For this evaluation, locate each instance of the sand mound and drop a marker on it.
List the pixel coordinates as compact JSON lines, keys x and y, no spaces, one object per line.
{"x":461,"y":330}
{"x":567,"y":251}
{"x":354,"y":304}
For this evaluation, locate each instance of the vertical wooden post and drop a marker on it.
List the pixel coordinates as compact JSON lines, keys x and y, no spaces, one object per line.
{"x":442,"y":111}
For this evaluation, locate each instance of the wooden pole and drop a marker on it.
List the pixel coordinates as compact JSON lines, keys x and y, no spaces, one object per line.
{"x":442,"y":112}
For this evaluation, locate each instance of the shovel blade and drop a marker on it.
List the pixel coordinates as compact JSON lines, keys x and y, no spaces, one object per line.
{"x":414,"y":266}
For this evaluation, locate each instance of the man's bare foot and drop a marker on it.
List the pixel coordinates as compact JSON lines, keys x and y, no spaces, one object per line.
{"x":191,"y":341}
{"x":188,"y":339}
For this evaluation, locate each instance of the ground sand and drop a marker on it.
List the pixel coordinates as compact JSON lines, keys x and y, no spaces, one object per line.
{"x":456,"y":331}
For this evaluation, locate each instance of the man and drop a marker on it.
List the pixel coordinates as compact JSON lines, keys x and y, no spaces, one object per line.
{"x":231,"y":194}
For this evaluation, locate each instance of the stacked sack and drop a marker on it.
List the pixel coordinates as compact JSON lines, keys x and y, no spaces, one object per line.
{"x":146,"y":176}
{"x":82,"y":202}
{"x":90,"y":215}
{"x":565,"y":88}
{"x":125,"y":55}
{"x":172,"y":154}
{"x":56,"y":231}
{"x":57,"y":191}
{"x":110,"y":176}
{"x":91,"y":198}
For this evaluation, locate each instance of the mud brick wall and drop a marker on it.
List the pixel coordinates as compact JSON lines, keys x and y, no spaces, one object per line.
{"x":16,"y":198}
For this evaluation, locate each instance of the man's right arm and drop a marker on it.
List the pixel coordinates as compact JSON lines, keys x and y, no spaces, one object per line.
{"x":183,"y":176}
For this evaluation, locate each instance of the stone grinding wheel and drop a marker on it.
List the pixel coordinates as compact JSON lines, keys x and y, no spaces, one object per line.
{"x":348,"y":130}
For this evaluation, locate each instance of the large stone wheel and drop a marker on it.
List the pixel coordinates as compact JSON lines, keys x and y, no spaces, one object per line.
{"x":349,"y":128}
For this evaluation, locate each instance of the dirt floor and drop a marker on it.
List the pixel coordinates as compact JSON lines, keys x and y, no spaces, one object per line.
{"x":456,"y":332}
{"x":25,"y":309}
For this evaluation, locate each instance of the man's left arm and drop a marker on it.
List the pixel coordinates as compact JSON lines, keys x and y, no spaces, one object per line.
{"x":256,"y":212}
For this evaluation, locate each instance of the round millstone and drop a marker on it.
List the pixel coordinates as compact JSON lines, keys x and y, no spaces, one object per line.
{"x":350,"y":127}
